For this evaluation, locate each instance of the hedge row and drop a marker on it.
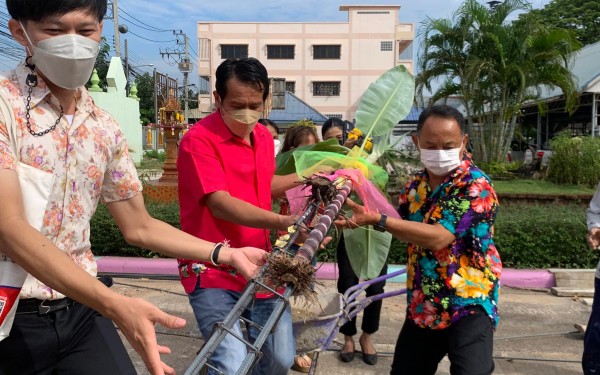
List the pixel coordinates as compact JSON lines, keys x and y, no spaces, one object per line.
{"x":542,"y":236}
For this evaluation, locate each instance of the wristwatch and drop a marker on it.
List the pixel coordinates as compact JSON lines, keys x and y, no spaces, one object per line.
{"x":380,"y":226}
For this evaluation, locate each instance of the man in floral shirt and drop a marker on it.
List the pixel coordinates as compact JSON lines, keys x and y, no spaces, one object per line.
{"x":453,"y":265}
{"x":50,"y":126}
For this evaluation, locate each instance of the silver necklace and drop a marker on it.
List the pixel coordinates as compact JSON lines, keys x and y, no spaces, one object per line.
{"x":31,"y":82}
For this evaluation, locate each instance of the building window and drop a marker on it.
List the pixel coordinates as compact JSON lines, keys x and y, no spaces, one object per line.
{"x":373,"y":12}
{"x":326,"y":88}
{"x":387,"y":45}
{"x":290,"y":86}
{"x":327,"y":52}
{"x":234,"y":51}
{"x":407,"y":53}
{"x":336,"y":115}
{"x":280,"y":52}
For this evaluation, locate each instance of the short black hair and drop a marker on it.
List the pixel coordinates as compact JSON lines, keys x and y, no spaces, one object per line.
{"x":39,"y":10}
{"x":266,"y":121}
{"x":330,"y":123}
{"x":443,"y":111}
{"x":247,"y":70}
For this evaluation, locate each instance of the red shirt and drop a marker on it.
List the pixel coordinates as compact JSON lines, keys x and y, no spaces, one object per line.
{"x":211,"y":158}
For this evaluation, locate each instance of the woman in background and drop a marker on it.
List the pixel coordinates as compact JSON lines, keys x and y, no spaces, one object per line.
{"x":333,"y":128}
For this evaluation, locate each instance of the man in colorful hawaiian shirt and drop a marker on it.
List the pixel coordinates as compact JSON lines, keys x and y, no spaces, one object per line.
{"x":448,"y":212}
{"x":62,"y":321}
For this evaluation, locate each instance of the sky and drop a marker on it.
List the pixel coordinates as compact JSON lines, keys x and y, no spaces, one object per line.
{"x":145,"y":18}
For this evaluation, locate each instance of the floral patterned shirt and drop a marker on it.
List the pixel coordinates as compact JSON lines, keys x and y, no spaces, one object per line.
{"x":89,"y":158}
{"x":447,"y":284}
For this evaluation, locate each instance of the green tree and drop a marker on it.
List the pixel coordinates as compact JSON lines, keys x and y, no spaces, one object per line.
{"x":495,"y":66}
{"x":102,"y":62}
{"x":145,"y":86}
{"x":192,"y":99}
{"x":582,"y":17}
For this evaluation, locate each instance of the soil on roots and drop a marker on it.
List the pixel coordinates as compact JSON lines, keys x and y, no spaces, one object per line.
{"x":284,"y":270}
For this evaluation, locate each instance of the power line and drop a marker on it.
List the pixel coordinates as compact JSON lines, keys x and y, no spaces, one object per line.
{"x":151,"y":40}
{"x":132,"y":22}
{"x":143,"y":23}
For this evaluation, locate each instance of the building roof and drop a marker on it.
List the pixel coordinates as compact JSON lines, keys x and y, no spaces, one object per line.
{"x":586,"y":68}
{"x":413,"y":115}
{"x":296,"y":109}
{"x":369,"y":6}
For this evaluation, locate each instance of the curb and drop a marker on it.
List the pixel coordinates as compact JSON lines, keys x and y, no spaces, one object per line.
{"x":167,"y":267}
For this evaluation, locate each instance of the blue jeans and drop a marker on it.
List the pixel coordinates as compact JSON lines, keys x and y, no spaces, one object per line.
{"x":591,"y":340}
{"x":211,"y":306}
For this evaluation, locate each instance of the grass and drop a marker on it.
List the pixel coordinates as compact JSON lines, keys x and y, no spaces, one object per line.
{"x":152,"y":159}
{"x":528,"y":186}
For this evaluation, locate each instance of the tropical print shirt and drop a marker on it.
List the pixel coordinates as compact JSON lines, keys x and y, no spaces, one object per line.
{"x":444,"y":285}
{"x":89,"y":158}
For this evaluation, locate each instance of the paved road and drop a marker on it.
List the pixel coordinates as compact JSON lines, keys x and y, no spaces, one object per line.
{"x":535,"y":335}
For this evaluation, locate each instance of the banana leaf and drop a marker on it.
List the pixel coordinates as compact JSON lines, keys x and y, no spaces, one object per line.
{"x":367,"y":250}
{"x":386,"y":102}
{"x":286,"y":164}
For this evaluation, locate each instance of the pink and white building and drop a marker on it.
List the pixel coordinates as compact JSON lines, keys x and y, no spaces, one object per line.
{"x":327,"y":65}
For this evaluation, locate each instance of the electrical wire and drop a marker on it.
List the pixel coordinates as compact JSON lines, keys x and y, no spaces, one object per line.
{"x":142,"y":22}
{"x":130,"y":21}
{"x":151,"y":40}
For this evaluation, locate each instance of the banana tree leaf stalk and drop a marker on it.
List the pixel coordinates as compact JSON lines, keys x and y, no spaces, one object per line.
{"x":308,"y":250}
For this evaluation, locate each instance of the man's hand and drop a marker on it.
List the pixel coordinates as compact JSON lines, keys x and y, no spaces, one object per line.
{"x":247,"y":260}
{"x":593,"y":238}
{"x":286,"y":221}
{"x":360,"y":217}
{"x":136,"y":318}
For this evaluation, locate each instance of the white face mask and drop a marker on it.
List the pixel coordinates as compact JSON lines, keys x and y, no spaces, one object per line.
{"x":277,"y":145}
{"x":65,"y":60}
{"x":440,"y":162}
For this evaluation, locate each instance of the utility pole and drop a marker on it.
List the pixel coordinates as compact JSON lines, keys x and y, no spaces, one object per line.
{"x":115,"y":9}
{"x":184,"y":67}
{"x":126,"y":69}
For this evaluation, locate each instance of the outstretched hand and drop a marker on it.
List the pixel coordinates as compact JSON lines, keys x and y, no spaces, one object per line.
{"x":359,"y":217}
{"x":248,"y":260}
{"x":593,"y":238}
{"x":136,"y":318}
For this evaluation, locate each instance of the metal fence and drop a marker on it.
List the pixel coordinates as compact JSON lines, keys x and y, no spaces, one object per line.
{"x":152,"y":138}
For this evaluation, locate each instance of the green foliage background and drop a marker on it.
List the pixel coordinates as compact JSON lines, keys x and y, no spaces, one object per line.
{"x":542,"y":236}
{"x":575,"y":160}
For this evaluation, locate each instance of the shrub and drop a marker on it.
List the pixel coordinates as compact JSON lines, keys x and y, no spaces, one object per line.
{"x":526,"y":236}
{"x":155,"y":154}
{"x":107,"y":239}
{"x":575,"y":160}
{"x":499,"y":169}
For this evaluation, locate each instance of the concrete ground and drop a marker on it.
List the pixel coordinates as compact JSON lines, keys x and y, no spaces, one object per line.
{"x":536,"y":334}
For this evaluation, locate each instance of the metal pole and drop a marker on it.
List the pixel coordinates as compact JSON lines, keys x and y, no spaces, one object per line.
{"x":155,"y":136}
{"x":185,"y":80}
{"x":126,"y":69}
{"x":116,"y":23}
{"x":594,"y":115}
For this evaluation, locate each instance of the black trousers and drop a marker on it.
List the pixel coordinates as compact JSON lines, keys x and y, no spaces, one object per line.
{"x":76,"y":340}
{"x":591,"y":340}
{"x":347,"y":279}
{"x":468,"y":343}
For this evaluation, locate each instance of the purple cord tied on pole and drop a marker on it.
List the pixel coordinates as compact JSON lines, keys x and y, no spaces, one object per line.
{"x":308,"y":250}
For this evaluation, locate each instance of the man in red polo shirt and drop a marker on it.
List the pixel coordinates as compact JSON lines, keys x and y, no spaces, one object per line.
{"x":226,"y":179}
